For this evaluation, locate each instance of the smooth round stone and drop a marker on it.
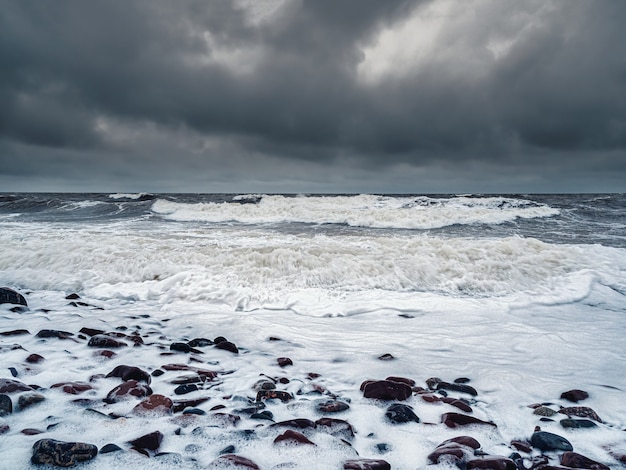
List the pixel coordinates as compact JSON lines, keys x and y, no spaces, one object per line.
{"x":578,"y":423}
{"x":331,"y":406}
{"x":399,"y":413}
{"x":6,"y":405}
{"x":547,"y":441}
{"x":29,"y":399}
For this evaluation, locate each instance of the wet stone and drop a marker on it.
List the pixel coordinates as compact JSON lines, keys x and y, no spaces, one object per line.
{"x":386,"y":390}
{"x":574,"y":395}
{"x":386,"y":357}
{"x":91,"y":331}
{"x":298,"y":423}
{"x":29,"y":399}
{"x":62,"y":454}
{"x":264,"y":384}
{"x":546,"y":441}
{"x":454,"y":420}
{"x":544,"y":411}
{"x":130,"y":373}
{"x":185,"y":388}
{"x":284,"y":361}
{"x":200,"y":342}
{"x":180,"y":347}
{"x":574,"y":460}
{"x":293,"y":437}
{"x":154,"y":405}
{"x":227,"y":346}
{"x":399,"y":413}
{"x":577,"y":423}
{"x":460,"y":404}
{"x":6,"y":405}
{"x":109,"y":448}
{"x":331,"y":406}
{"x":10,"y":296}
{"x":234,"y":461}
{"x":366,"y":464}
{"x":581,"y":412}
{"x":15,"y":332}
{"x":126,"y":390}
{"x":150,"y":441}
{"x":335,"y":427}
{"x":492,"y":463}
{"x":263,"y":415}
{"x":274,"y":395}
{"x":103,"y":341}
{"x":34,"y":359}
{"x":73,"y":388}
{"x":54,"y":334}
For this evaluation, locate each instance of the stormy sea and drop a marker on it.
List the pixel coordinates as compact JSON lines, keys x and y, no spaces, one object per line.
{"x":303,"y":331}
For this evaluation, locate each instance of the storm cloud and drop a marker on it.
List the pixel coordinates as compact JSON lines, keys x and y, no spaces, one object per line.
{"x":313,"y":95}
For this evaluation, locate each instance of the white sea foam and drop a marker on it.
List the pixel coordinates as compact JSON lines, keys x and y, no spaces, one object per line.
{"x":360,"y":211}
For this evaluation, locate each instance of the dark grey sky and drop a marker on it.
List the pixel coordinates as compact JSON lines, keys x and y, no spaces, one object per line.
{"x":313,"y":95}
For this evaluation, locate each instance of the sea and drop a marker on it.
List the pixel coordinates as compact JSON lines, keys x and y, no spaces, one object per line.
{"x":523,"y":293}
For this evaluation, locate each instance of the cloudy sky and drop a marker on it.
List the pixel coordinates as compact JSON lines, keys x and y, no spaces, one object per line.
{"x":395,"y":96}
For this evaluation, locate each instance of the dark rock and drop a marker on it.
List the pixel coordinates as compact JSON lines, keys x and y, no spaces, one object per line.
{"x":284,"y":361}
{"x":150,"y":441}
{"x":460,"y":404}
{"x":335,"y":427}
{"x":31,"y":431}
{"x":180,"y":347}
{"x":227,"y":450}
{"x":103,"y":341}
{"x":454,"y":420}
{"x":386,"y":357}
{"x":574,"y":395}
{"x":6,"y":405}
{"x":546,"y":441}
{"x":577,"y":423}
{"x":274,"y":394}
{"x":126,"y":390}
{"x":522,"y":446}
{"x":227,"y":346}
{"x":492,"y":463}
{"x":54,"y":334}
{"x":366,"y":464}
{"x":73,"y":388}
{"x":399,"y":413}
{"x":382,"y":448}
{"x":13,"y":371}
{"x":544,"y":411}
{"x":402,"y":380}
{"x":4,"y":428}
{"x":453,"y":387}
{"x":293,"y":436}
{"x":157,"y":373}
{"x":331,"y":406}
{"x":9,"y":296}
{"x":581,"y":412}
{"x":298,"y":423}
{"x":130,"y":373}
{"x":574,"y":460}
{"x":387,"y":390}
{"x":15,"y":333}
{"x":154,"y":405}
{"x":29,"y":399}
{"x":219,"y":339}
{"x":109,"y":448}
{"x":34,"y":359}
{"x":91,"y":331}
{"x":263,"y":415}
{"x":200,"y":342}
{"x":73,"y":296}
{"x":185,"y":388}
{"x":264,"y":384}
{"x":62,"y":454}
{"x":194,"y":411}
{"x":180,"y":405}
{"x":234,"y":461}
{"x":461,"y":380}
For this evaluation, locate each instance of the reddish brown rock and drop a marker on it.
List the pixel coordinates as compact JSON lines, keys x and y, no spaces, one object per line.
{"x":73,"y":388}
{"x":34,"y":359}
{"x":105,"y":353}
{"x":574,"y":460}
{"x":331,"y":406}
{"x":402,"y":380}
{"x":522,"y":446}
{"x":293,"y":437}
{"x":456,"y":450}
{"x":581,"y":412}
{"x":130,"y":373}
{"x":126,"y":390}
{"x":574,"y":395}
{"x":180,"y":405}
{"x":366,"y":464}
{"x":12,"y":386}
{"x":284,"y":361}
{"x":298,"y":423}
{"x":104,"y":341}
{"x":460,"y":404}
{"x":154,"y":405}
{"x":492,"y":463}
{"x":150,"y":441}
{"x":454,"y":420}
{"x":235,"y":461}
{"x":274,"y":394}
{"x":387,"y":390}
